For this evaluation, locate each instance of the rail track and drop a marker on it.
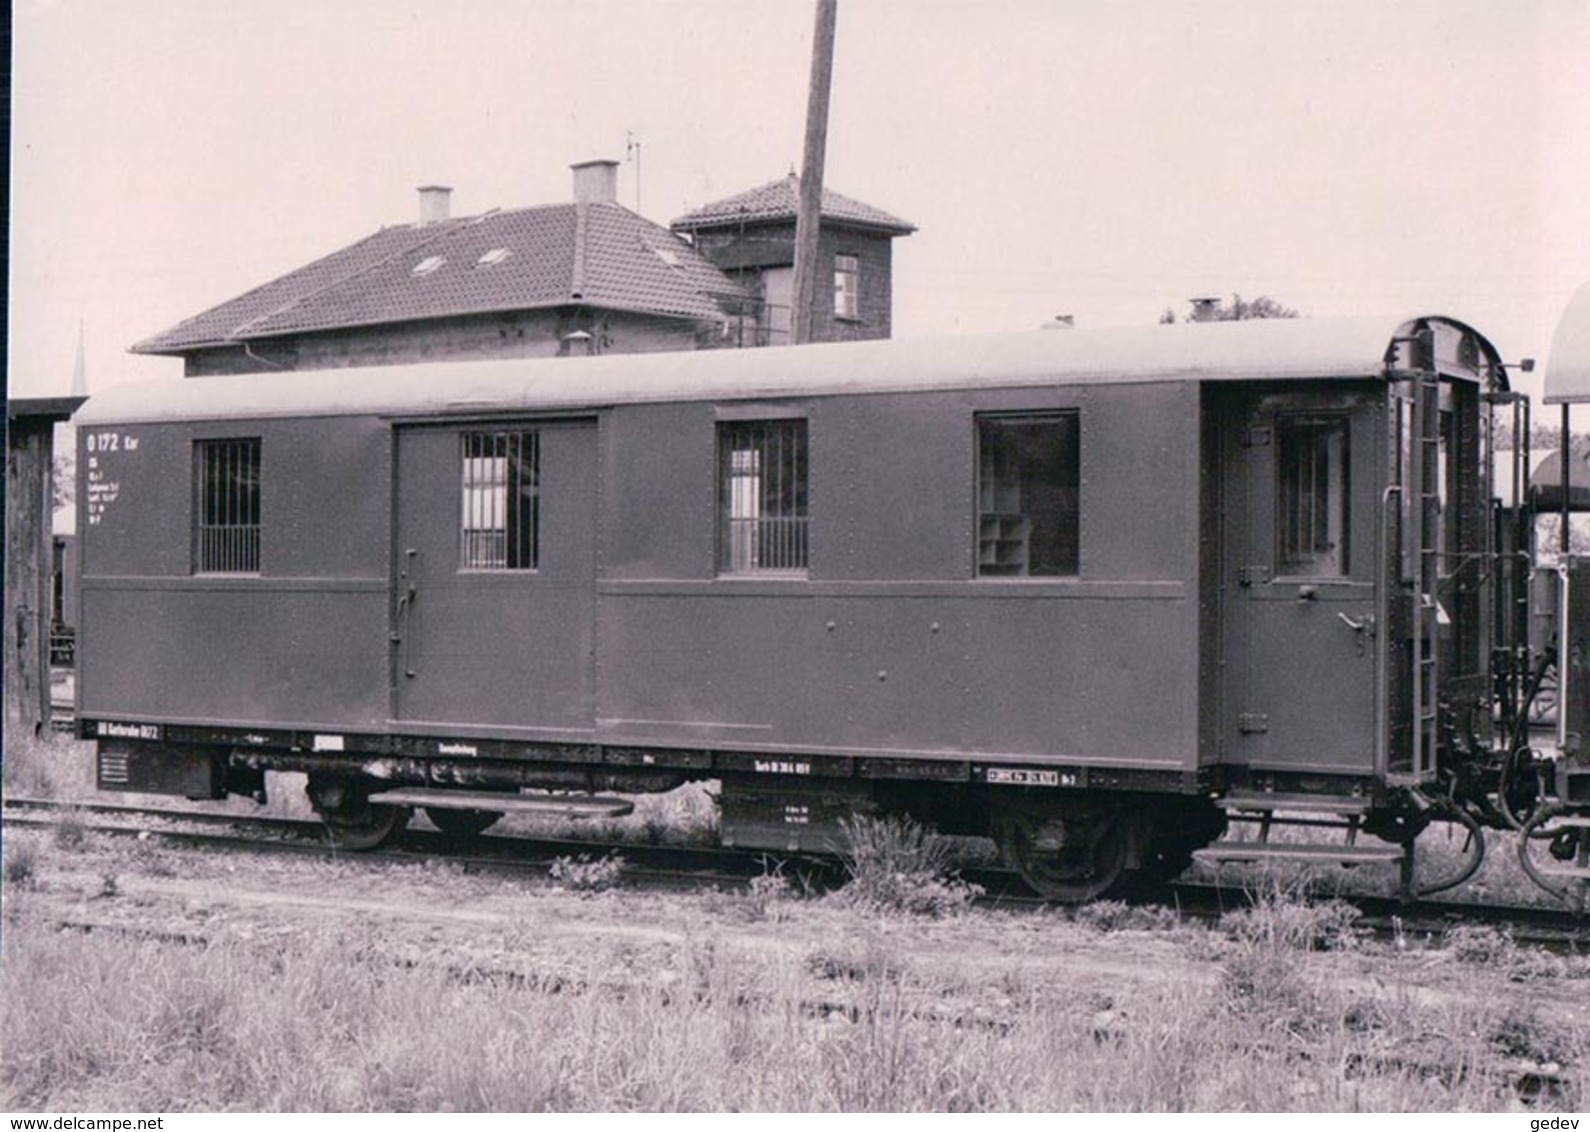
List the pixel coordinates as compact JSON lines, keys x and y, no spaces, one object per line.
{"x":686,"y":868}
{"x":644,"y":865}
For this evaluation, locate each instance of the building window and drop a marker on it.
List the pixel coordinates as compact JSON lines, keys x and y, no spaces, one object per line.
{"x":762,"y":496}
{"x":1027,"y":510}
{"x":227,"y":506}
{"x":501,"y":516}
{"x":847,"y":286}
{"x":1311,"y":496}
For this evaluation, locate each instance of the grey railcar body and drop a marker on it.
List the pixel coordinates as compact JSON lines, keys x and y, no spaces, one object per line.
{"x":1068,"y":588}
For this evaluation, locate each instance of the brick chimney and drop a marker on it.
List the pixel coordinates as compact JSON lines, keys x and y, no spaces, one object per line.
{"x":434,"y":204}
{"x":595,"y":182}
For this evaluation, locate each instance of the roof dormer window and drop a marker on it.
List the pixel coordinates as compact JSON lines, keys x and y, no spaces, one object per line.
{"x":427,"y":265}
{"x":493,"y":257}
{"x":668,"y":255}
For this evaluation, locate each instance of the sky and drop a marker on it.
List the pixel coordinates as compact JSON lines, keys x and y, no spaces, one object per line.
{"x":1102,"y":160}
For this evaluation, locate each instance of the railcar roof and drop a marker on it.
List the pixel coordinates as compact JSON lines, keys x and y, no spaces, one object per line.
{"x":1281,"y":349}
{"x":1568,"y":371}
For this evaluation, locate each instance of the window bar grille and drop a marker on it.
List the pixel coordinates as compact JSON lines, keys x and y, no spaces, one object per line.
{"x":1309,"y":452}
{"x":764,"y":497}
{"x":229,"y":507}
{"x":501,"y":500}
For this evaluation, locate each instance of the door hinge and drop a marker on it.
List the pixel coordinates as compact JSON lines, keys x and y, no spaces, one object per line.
{"x":1253,"y":723}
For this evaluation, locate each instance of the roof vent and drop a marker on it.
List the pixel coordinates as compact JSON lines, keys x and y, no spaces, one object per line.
{"x":427,"y":265}
{"x":434,"y":203}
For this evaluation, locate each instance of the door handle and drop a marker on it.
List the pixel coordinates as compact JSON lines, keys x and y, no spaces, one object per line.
{"x":1365,"y":624}
{"x":405,"y":610}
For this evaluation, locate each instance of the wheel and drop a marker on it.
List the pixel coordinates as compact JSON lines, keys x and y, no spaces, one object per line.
{"x":1069,"y":860}
{"x":352,"y":820}
{"x":462,"y":824}
{"x":369,"y":829}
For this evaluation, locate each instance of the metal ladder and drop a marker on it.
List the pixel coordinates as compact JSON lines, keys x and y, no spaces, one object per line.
{"x":1425,"y":496}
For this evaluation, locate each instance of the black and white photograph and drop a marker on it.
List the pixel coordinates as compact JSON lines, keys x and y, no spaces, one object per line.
{"x":594,"y":556}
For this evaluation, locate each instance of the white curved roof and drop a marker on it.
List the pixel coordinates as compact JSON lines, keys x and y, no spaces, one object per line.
{"x":1568,"y":375}
{"x":1215,"y":351}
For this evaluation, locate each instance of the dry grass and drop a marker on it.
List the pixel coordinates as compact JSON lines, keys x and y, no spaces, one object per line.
{"x":341,"y":1019}
{"x":898,"y":865}
{"x":48,"y":766}
{"x":21,"y":864}
{"x":587,"y":874}
{"x":335,"y":1021}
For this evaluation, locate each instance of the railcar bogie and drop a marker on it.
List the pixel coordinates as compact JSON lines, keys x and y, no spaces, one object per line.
{"x":1087,"y":594}
{"x":353,"y":820}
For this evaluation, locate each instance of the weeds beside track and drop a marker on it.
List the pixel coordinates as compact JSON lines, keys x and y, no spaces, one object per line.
{"x":937,"y":886}
{"x":154,"y":978}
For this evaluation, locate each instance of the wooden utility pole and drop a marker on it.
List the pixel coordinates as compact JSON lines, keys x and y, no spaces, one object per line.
{"x":808,"y":214}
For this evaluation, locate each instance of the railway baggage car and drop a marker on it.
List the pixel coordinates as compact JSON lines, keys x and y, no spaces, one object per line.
{"x":1086,"y":592}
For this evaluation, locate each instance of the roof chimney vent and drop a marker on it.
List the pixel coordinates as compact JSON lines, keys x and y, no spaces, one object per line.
{"x":434,"y":205}
{"x":1205,"y":310}
{"x":595,"y":182}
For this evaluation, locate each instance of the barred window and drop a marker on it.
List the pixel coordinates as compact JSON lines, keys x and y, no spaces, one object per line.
{"x":762,"y":496}
{"x":226,"y":506}
{"x":501,"y":514}
{"x":1028,"y":471}
{"x":1311,"y":497}
{"x":847,"y":286}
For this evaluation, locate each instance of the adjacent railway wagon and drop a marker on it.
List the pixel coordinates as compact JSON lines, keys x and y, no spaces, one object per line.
{"x":1089,"y":593}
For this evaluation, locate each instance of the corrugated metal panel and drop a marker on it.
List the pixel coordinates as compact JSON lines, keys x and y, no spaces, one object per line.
{"x":1288,"y":349}
{"x":1568,"y":375}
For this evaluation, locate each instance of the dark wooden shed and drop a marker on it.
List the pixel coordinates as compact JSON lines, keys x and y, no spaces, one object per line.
{"x":30,"y":452}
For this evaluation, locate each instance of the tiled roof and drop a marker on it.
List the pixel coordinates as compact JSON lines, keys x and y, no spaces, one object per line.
{"x":777,"y":200}
{"x":628,"y":263}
